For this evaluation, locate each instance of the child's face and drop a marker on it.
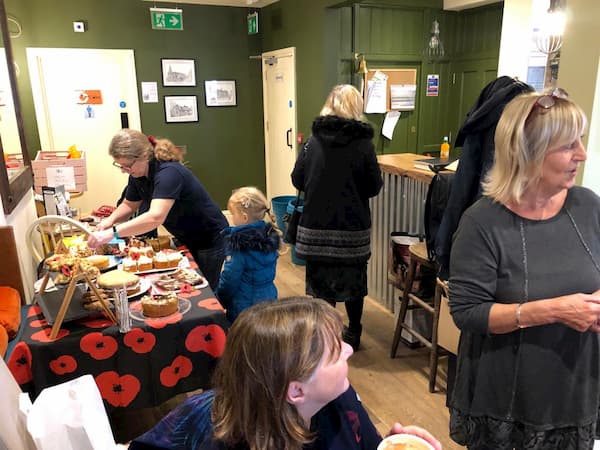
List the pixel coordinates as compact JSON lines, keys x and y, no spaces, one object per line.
{"x":237,"y":216}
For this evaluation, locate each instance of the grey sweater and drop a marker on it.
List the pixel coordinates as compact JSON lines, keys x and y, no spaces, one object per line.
{"x":545,"y":376}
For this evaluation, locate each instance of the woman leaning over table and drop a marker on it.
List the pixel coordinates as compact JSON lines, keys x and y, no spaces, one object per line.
{"x":524,"y":281}
{"x":177,"y":200}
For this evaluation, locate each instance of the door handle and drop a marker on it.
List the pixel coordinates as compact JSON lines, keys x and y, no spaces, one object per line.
{"x":288,"y":135}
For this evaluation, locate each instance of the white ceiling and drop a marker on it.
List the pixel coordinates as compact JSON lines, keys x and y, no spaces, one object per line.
{"x":239,"y":3}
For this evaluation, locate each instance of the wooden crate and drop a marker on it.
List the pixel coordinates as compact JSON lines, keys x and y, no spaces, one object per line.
{"x":47,"y":163}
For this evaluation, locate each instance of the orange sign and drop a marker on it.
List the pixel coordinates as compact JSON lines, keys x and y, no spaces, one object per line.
{"x":89,"y":97}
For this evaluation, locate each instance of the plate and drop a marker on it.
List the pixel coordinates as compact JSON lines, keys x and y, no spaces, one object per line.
{"x":183,"y":264}
{"x":113,"y":262}
{"x":145,"y":285}
{"x":135,"y":310}
{"x":156,"y":281}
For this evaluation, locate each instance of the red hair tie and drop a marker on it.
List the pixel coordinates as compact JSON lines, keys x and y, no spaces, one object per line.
{"x":151,"y":139}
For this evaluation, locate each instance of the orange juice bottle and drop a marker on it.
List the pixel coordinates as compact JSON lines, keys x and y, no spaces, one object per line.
{"x":445,"y":149}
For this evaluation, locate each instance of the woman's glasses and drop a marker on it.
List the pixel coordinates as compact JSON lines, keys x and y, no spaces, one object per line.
{"x":124,"y":166}
{"x":545,"y":102}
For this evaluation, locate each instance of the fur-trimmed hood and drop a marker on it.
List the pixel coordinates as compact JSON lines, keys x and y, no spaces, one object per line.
{"x":337,"y":132}
{"x":258,"y":236}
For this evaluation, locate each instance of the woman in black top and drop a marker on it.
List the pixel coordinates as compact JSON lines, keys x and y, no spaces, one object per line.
{"x":177,"y":201}
{"x":338,"y":172}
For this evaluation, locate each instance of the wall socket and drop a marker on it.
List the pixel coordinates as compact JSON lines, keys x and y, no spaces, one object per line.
{"x":79,"y":27}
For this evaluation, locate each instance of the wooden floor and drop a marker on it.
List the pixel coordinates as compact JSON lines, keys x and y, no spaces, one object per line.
{"x":393,"y":390}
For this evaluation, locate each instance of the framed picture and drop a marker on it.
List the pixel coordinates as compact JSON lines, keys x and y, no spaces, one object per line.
{"x":178,"y":72}
{"x":181,"y":108}
{"x":220,"y":93}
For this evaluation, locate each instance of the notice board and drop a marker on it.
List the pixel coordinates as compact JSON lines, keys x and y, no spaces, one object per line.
{"x":395,"y":76}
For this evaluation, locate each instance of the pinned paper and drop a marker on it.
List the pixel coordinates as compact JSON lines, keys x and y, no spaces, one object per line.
{"x":389,"y":124}
{"x":403,"y":96}
{"x":377,"y":93}
{"x":89,"y":97}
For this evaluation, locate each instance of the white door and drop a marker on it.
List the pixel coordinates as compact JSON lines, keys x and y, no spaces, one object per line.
{"x":279,"y":99}
{"x":68,"y":113}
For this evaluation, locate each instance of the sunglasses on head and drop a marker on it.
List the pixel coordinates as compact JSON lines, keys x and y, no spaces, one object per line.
{"x":545,"y":102}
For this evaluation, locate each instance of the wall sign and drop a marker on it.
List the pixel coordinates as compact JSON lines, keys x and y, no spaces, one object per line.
{"x":433,"y":85}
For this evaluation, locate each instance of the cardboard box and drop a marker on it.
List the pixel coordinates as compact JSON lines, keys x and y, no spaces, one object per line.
{"x":54,"y":168}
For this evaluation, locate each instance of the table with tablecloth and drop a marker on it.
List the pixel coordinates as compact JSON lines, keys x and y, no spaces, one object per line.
{"x":154,"y":361}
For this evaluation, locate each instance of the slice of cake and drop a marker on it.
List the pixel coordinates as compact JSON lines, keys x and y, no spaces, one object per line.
{"x":174,"y":259}
{"x":99,"y":261}
{"x":144,"y":263}
{"x":160,"y":305}
{"x":129,"y":265}
{"x":161,"y":261}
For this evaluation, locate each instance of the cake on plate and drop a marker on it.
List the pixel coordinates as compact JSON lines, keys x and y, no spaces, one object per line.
{"x":159,"y":305}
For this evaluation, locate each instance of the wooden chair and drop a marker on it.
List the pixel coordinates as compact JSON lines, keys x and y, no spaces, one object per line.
{"x":51,"y":230}
{"x":418,"y":255}
{"x":445,"y":334}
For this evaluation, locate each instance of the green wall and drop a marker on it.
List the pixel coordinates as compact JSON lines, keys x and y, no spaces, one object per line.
{"x":226,"y":146}
{"x":392,"y":34}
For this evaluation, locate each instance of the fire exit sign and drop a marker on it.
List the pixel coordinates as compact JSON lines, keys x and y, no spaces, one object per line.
{"x":166,"y":19}
{"x":253,"y":23}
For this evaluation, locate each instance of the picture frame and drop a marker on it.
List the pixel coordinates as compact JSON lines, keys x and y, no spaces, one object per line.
{"x":178,"y":72}
{"x":220,"y":93}
{"x":181,"y":108}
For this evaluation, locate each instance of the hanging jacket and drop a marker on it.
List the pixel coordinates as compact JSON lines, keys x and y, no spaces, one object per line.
{"x":476,"y":137}
{"x":249,"y":271}
{"x":338,"y":172}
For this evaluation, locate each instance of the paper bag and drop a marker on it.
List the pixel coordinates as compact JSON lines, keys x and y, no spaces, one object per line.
{"x":70,"y":416}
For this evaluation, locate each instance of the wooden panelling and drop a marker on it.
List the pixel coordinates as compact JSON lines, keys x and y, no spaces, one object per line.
{"x":10,"y":269}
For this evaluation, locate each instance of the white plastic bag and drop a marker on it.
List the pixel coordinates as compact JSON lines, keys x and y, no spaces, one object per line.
{"x":70,"y":416}
{"x":13,"y":429}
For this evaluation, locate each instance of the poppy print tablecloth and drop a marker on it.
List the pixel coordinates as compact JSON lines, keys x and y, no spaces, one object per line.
{"x":156,"y":360}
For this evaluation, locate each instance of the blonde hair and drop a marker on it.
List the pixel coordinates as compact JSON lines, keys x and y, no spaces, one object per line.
{"x":133,"y":144}
{"x":344,"y":101}
{"x":270,"y":345}
{"x":252,"y":201}
{"x":525,"y":133}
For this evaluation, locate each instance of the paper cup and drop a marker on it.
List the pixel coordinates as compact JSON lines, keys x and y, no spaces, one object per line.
{"x":404,"y":442}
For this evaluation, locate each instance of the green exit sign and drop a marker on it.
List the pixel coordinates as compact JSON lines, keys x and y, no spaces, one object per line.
{"x":253,"y":23}
{"x":166,"y":19}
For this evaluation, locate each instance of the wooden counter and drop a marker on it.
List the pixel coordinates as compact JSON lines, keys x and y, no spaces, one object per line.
{"x":402,"y":164}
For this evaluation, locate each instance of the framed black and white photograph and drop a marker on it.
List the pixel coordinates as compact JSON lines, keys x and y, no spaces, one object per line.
{"x":178,"y":72}
{"x":181,"y":108}
{"x":220,"y":93}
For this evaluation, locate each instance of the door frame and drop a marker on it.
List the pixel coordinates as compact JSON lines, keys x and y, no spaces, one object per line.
{"x":283,"y":52}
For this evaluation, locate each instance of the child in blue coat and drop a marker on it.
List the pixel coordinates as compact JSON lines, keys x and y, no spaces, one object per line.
{"x":251,"y":252}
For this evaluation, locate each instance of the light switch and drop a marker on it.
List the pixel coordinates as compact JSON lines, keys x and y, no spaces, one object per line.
{"x":79,"y":27}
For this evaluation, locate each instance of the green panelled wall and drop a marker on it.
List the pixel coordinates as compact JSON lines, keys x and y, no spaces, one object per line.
{"x":226,"y":146}
{"x":392,"y":34}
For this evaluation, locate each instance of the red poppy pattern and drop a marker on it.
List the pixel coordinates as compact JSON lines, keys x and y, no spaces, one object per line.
{"x":34,"y":311}
{"x":180,"y":368}
{"x":118,"y":390}
{"x":212,"y":304}
{"x":191,"y":294}
{"x":101,"y":322}
{"x":206,"y":338}
{"x":63,"y":364}
{"x":99,"y":346}
{"x":20,"y":363}
{"x":40,"y":323}
{"x":139,"y":340}
{"x":44,"y":335}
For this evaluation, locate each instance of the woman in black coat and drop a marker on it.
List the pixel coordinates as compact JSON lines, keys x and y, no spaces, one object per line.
{"x":338,"y":172}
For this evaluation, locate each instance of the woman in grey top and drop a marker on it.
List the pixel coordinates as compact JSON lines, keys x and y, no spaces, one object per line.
{"x":524,"y":289}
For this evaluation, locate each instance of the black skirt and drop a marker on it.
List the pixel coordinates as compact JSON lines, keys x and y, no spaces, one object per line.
{"x":336,"y":281}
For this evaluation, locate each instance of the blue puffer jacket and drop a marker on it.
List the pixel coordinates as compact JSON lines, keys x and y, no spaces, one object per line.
{"x":251,"y":259}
